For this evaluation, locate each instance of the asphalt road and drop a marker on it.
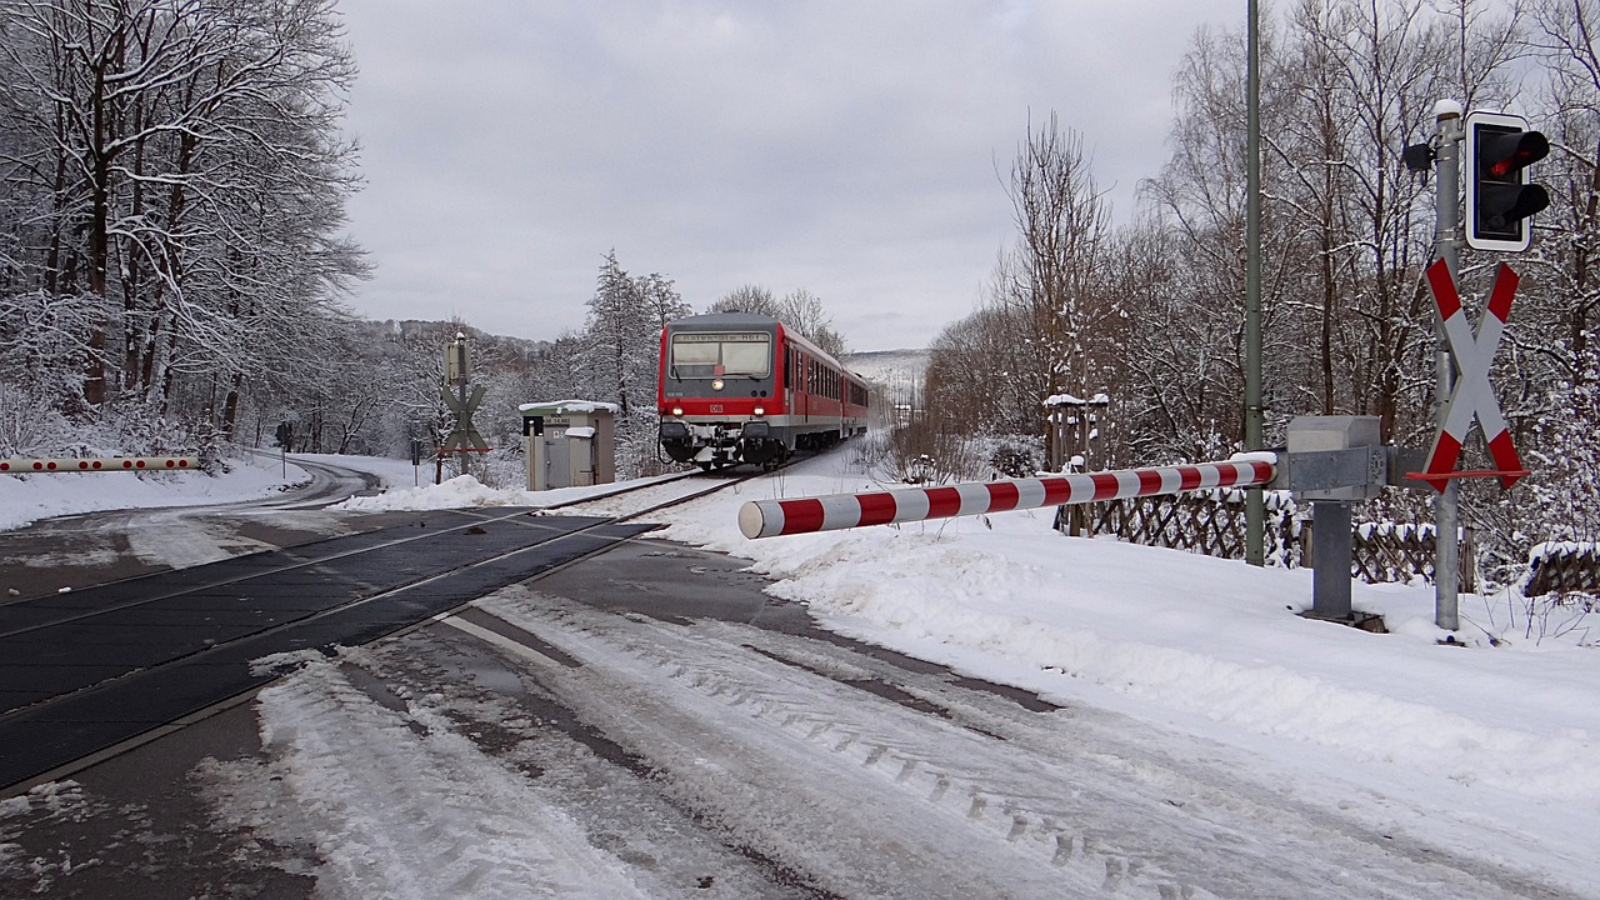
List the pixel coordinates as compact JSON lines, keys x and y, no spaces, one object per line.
{"x":143,"y":812}
{"x":139,"y":817}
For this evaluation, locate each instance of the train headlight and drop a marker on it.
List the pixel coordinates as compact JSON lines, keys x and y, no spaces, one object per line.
{"x":677,"y":410}
{"x":760,"y":410}
{"x":716,"y":384}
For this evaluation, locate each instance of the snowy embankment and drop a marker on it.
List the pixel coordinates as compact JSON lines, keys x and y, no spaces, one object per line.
{"x":1508,"y":727}
{"x":1208,"y":642}
{"x":25,"y":499}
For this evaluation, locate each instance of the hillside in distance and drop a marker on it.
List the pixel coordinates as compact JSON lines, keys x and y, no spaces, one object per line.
{"x":898,"y":371}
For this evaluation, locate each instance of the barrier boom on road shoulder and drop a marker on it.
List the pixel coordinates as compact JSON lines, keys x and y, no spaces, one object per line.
{"x":771,"y":518}
{"x":100,"y":464}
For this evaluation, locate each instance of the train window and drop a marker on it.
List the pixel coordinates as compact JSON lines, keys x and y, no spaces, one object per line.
{"x":709,"y":355}
{"x":747,"y":357}
{"x":693,"y":359}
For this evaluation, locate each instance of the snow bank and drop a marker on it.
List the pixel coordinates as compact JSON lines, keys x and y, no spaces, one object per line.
{"x":1213,"y":644}
{"x":25,"y":499}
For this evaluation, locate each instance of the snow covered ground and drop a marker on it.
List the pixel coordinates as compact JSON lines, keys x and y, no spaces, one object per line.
{"x":1504,"y":734}
{"x":24,"y":499}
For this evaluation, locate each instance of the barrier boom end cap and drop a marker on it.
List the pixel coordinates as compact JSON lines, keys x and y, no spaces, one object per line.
{"x":751,"y":519}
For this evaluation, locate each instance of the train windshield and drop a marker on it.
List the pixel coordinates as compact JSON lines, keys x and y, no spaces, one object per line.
{"x":698,"y":355}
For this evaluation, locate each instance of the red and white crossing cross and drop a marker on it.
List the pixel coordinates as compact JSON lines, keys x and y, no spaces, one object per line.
{"x":1472,"y":395}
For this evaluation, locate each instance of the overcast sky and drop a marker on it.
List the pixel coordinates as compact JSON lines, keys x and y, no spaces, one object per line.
{"x":855,"y":149}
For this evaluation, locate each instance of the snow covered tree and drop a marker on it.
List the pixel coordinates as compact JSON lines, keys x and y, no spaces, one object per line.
{"x":1346,"y":232}
{"x":1548,"y":367}
{"x":179,"y":179}
{"x":662,"y":299}
{"x":621,"y":335}
{"x":748,"y":298}
{"x":620,"y":350}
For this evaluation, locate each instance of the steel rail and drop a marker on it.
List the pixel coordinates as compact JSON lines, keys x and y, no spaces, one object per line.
{"x":311,"y":616}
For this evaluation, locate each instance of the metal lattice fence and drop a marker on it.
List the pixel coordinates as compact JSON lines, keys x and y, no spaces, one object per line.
{"x":1213,"y":523}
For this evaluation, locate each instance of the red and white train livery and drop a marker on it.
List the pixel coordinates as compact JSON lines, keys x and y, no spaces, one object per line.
{"x":736,"y":387}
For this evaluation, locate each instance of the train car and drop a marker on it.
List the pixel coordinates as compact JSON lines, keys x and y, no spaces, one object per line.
{"x":742,"y":388}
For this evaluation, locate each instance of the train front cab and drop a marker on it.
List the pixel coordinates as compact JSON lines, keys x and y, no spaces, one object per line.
{"x":742,"y":388}
{"x":719,"y":391}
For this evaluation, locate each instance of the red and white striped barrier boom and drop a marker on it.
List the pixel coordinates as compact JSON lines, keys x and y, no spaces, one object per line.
{"x":771,"y":518}
{"x":101,"y":464}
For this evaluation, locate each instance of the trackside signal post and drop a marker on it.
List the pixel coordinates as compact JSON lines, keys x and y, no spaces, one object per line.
{"x":1492,"y":150}
{"x":1446,"y":507}
{"x":464,"y":437}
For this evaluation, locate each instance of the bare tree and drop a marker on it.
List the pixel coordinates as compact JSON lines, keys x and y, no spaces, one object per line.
{"x":801,"y":310}
{"x":1063,"y":225}
{"x":804,"y":311}
{"x":747,"y":298}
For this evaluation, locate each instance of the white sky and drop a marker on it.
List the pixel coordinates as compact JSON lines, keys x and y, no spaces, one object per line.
{"x":852,"y":149}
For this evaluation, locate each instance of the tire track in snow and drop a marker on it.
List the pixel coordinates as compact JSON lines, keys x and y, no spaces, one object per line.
{"x":401,"y":805}
{"x":1021,"y":799}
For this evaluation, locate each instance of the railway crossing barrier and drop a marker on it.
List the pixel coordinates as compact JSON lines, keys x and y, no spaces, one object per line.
{"x":1330,"y":460}
{"x":100,"y":464}
{"x":772,"y":518}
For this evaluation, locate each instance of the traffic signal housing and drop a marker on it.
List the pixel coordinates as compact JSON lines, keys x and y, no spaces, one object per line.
{"x":1498,"y":150}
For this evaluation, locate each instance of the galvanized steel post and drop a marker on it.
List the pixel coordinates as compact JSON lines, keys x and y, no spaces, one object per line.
{"x":1447,"y":246}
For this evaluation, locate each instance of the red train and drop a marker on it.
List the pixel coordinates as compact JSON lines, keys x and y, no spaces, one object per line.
{"x":736,"y":387}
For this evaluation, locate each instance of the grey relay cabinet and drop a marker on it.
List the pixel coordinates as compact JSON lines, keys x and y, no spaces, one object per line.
{"x":571,"y":443}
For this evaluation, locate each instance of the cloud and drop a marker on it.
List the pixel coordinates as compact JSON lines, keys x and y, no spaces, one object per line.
{"x":852,"y":149}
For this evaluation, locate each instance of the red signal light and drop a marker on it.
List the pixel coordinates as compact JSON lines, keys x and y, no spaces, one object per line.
{"x":1499,"y":198}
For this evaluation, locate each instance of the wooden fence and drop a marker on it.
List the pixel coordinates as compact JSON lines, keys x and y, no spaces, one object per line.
{"x":1213,"y":523}
{"x":1563,"y":569}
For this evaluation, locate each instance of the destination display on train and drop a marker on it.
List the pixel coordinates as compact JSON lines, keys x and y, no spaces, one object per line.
{"x":716,"y":338}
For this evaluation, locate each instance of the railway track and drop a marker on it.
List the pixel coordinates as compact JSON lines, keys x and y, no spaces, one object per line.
{"x":87,"y":673}
{"x":638,"y":500}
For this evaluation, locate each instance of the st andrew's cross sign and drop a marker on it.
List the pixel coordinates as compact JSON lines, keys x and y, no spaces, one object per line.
{"x":464,"y":438}
{"x":1472,"y":397}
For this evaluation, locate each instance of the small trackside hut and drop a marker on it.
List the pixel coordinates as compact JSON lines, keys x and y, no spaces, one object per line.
{"x":571,"y":443}
{"x":743,"y":388}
